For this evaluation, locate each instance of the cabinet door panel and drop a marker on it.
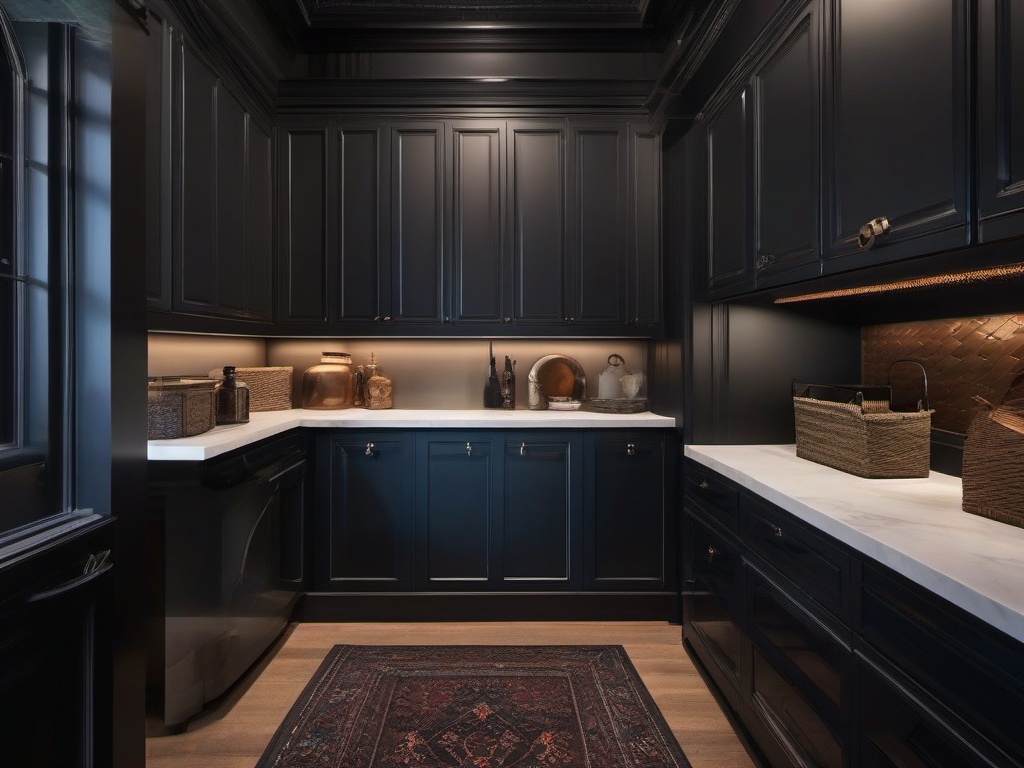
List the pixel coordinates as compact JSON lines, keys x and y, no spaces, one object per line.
{"x":231,"y":256}
{"x":730,"y":265}
{"x":364,"y":266}
{"x":537,"y":200}
{"x":417,"y":210}
{"x":540,"y":524}
{"x":163,"y":52}
{"x":260,"y":225}
{"x":369,"y":534}
{"x":303,"y":249}
{"x":627,"y":538}
{"x":644,"y":306}
{"x":898,"y":151}
{"x":1000,"y":119}
{"x":195,"y":254}
{"x":598,"y":258}
{"x":786,"y":147}
{"x":478,"y":257}
{"x":457,"y":490}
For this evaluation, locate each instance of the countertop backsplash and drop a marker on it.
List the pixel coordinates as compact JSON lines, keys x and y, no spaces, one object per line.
{"x":426,"y":373}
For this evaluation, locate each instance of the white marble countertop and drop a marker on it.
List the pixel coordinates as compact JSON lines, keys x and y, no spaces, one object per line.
{"x":914,"y":526}
{"x":269,"y":423}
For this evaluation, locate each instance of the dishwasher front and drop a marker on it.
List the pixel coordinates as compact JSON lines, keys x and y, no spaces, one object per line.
{"x":231,"y":548}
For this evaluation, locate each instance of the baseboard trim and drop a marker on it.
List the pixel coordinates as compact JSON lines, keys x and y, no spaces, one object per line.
{"x":488,"y":606}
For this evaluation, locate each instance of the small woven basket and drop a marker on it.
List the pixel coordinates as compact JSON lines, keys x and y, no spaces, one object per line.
{"x":993,"y":468}
{"x":853,"y":428}
{"x":867,"y":440}
{"x":180,"y":407}
{"x":270,"y":387}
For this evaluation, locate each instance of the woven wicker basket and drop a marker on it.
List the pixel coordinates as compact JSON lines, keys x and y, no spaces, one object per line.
{"x":180,"y":407}
{"x":993,"y":469}
{"x":270,"y":387}
{"x":853,"y":429}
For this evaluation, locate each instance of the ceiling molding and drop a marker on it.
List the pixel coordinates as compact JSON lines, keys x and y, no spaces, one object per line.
{"x":302,"y":96}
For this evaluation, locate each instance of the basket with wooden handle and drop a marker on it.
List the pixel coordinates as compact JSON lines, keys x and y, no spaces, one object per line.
{"x":853,"y":428}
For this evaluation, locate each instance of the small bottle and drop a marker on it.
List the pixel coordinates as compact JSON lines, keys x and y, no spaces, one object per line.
{"x":232,"y":398}
{"x":508,"y":384}
{"x":378,"y":387}
{"x":492,"y":389}
{"x":359,"y":399}
{"x":329,"y":385}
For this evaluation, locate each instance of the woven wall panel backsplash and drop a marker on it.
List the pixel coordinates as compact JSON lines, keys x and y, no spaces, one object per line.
{"x":963,"y":357}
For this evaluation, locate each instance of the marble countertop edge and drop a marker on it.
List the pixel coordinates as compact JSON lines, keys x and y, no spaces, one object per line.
{"x":225,"y":438}
{"x":913,"y":526}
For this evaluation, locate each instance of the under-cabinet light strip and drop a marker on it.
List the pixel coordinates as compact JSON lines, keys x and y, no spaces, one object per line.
{"x":951,"y":279}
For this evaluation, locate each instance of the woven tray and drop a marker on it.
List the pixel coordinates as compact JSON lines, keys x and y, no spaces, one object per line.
{"x":270,"y":387}
{"x":617,"y":404}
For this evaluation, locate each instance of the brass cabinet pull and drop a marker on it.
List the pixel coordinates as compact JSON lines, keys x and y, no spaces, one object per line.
{"x":630,"y":449}
{"x":369,"y":449}
{"x":469,"y":449}
{"x":873,"y":230}
{"x":522,"y":449}
{"x":711,"y":553}
{"x":704,"y":485}
{"x":776,"y":532}
{"x":765,"y":260}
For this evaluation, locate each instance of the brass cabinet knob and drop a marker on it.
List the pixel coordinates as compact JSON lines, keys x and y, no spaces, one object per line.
{"x":469,"y":449}
{"x":776,"y":532}
{"x":873,"y":230}
{"x":630,"y":449}
{"x":704,"y":485}
{"x":369,"y":449}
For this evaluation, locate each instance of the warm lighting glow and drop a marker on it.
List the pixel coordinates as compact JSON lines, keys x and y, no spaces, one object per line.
{"x":493,"y":79}
{"x":952,"y":279}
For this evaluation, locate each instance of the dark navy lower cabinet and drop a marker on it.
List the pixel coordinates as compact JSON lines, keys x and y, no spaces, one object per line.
{"x":540,"y":538}
{"x":447,"y":511}
{"x":827,"y":658}
{"x":629,"y":534}
{"x":458,"y":491}
{"x":364,"y":520}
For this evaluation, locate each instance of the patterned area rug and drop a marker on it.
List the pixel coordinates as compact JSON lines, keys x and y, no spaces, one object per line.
{"x":475,"y":707}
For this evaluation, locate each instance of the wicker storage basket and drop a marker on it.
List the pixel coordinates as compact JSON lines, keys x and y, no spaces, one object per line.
{"x":270,"y":387}
{"x":993,"y":469}
{"x":180,"y":407}
{"x":852,"y":428}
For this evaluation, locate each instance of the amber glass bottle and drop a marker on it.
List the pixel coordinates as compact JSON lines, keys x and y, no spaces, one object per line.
{"x":232,"y":398}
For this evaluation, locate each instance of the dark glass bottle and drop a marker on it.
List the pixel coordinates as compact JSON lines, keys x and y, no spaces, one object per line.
{"x":232,"y":398}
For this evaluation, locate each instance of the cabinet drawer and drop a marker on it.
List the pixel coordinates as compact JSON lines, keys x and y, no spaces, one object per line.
{"x":811,"y":654}
{"x":897,"y":726}
{"x":712,"y":493}
{"x":812,"y":563}
{"x":804,"y":738}
{"x":953,"y":655}
{"x":715,"y":562}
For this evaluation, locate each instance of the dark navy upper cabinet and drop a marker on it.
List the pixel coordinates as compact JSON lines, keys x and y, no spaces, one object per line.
{"x":897,"y":107}
{"x":305,"y":222}
{"x":644,"y":299}
{"x":481,"y":269}
{"x":597,"y":266}
{"x":417,"y":223}
{"x":1000,"y":120}
{"x":787,"y":147}
{"x":629,"y":537}
{"x":536,"y":205}
{"x":730,"y":258}
{"x":361,"y":274}
{"x":365,"y":520}
{"x":540,"y":538}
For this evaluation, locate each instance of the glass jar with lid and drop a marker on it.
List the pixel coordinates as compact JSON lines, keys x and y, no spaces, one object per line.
{"x":329,"y":385}
{"x":232,"y":396}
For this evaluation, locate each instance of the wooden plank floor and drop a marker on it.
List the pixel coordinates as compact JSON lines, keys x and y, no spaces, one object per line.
{"x":236,"y":733}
